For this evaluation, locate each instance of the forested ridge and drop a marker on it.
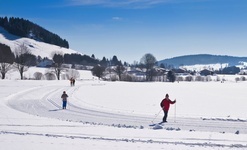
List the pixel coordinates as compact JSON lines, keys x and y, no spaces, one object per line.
{"x":26,"y":28}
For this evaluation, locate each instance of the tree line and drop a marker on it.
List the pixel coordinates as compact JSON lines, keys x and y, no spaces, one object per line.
{"x":25,"y":28}
{"x":22,"y":58}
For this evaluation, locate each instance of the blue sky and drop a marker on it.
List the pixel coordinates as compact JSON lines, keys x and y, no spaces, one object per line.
{"x":131,"y":28}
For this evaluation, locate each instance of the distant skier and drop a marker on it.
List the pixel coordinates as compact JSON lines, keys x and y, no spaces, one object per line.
{"x":165,"y":104}
{"x":71,"y":81}
{"x":64,"y":99}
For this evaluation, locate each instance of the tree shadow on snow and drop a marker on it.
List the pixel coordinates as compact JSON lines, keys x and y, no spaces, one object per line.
{"x":7,"y":35}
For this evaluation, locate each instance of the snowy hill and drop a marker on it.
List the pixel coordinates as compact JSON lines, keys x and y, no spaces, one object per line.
{"x":37,"y":48}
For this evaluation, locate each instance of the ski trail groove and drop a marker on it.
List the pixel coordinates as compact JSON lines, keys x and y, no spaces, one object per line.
{"x":45,"y":101}
{"x":203,"y":143}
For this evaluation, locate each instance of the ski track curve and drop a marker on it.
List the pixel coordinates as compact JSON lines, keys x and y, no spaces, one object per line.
{"x":45,"y":101}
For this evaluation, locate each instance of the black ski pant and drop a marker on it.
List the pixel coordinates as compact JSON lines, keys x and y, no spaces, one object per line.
{"x":165,"y":115}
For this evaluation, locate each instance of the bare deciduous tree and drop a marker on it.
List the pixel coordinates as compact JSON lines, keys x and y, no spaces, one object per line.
{"x":149,"y":61}
{"x":23,"y":57}
{"x":6,"y":59}
{"x":58,"y":59}
{"x":119,"y":70}
{"x":4,"y":67}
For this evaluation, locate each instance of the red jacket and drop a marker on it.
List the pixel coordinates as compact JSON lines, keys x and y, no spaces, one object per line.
{"x":165,"y":104}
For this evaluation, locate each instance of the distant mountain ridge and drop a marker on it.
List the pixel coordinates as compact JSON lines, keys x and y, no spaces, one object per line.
{"x":202,"y":59}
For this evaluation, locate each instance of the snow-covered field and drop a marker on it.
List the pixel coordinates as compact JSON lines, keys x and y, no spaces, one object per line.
{"x":118,"y":115}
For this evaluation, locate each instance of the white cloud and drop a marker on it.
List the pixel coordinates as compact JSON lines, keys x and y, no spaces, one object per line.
{"x":129,"y":4}
{"x":121,"y":3}
{"x":117,"y":18}
{"x":87,"y":2}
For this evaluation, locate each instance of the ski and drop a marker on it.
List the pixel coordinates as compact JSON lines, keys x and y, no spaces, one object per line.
{"x":160,"y":123}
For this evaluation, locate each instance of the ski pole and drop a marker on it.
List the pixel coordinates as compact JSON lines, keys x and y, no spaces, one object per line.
{"x":175,"y":110}
{"x":156,"y":115}
{"x":68,"y":104}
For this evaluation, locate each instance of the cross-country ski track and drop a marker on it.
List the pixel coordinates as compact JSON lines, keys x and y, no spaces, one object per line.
{"x":45,"y":102}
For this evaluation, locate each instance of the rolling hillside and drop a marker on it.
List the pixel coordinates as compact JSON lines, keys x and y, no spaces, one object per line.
{"x":37,"y":48}
{"x":203,"y":59}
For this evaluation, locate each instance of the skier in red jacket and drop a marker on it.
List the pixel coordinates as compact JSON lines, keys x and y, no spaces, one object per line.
{"x":165,"y":104}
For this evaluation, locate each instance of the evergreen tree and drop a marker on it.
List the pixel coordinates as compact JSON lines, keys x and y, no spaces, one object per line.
{"x":103,"y":62}
{"x":98,"y":71}
{"x":171,"y":76}
{"x":231,"y":70}
{"x":114,"y":61}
